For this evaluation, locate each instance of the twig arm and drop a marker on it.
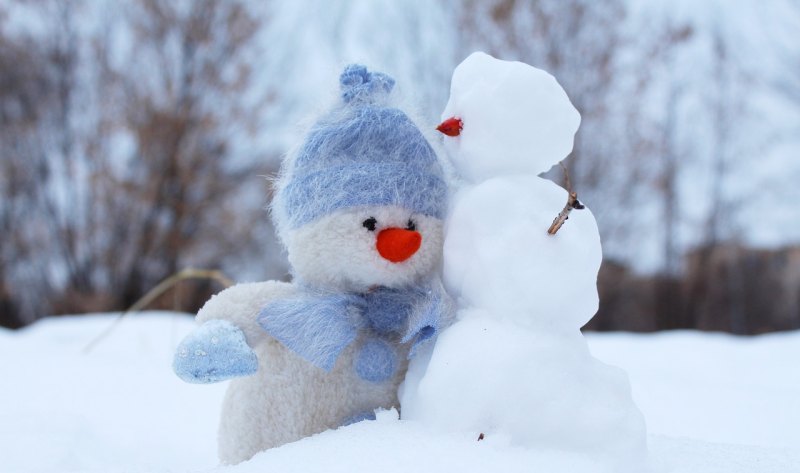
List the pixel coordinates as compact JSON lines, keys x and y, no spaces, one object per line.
{"x":563,"y":216}
{"x":572,"y":203}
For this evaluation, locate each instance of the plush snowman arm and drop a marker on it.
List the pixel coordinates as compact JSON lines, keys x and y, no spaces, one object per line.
{"x":240,"y":305}
{"x":222,"y":347}
{"x":215,"y":352}
{"x":434,"y":313}
{"x":315,"y":327}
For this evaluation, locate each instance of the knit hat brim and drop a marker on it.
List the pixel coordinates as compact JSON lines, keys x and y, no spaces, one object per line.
{"x":364,"y":184}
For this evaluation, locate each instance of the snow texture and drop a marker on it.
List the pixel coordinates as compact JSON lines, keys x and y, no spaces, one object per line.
{"x":715,"y":404}
{"x":525,"y":131}
{"x":498,"y":255}
{"x":215,"y":352}
{"x":515,"y":364}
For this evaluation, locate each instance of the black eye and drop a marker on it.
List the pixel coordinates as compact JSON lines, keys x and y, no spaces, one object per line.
{"x":411,"y":225}
{"x":370,"y":223}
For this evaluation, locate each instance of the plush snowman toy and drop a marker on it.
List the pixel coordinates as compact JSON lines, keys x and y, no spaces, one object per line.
{"x":515,"y":364}
{"x":359,"y":208}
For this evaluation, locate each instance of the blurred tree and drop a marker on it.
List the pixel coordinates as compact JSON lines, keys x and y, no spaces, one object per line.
{"x":586,"y":45}
{"x":719,"y":243}
{"x":788,"y":84}
{"x":666,"y":150}
{"x":181,"y":85}
{"x":625,"y":160}
{"x":575,"y":40}
{"x":27,"y":91}
{"x":123,"y":165}
{"x":128,"y":148}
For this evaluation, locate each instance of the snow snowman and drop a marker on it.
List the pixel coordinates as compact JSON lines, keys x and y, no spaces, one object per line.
{"x":359,"y":207}
{"x":515,"y":364}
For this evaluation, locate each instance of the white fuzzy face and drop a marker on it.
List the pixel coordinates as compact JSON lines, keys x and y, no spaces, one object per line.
{"x":339,"y":251}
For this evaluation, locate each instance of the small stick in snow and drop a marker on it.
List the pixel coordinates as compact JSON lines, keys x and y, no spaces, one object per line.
{"x":161,"y":288}
{"x":563,"y":216}
{"x":572,"y":203}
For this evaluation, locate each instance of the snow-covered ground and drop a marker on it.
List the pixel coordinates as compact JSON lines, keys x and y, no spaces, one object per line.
{"x":713,"y":403}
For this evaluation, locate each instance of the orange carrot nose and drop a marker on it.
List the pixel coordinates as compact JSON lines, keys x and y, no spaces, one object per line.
{"x":398,"y":244}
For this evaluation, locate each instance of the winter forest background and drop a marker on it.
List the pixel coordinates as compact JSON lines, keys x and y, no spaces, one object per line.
{"x":136,"y":134}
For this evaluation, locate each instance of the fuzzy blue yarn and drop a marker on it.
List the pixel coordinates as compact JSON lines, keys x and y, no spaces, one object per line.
{"x":362,"y":416}
{"x":358,"y":83}
{"x":387,"y":310}
{"x":216,"y":351}
{"x":363,"y":154}
{"x":316,"y":327}
{"x":376,"y":361}
{"x":314,"y":195}
{"x":425,"y":324}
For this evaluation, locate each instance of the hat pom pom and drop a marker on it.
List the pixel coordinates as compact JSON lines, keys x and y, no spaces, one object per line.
{"x":360,"y":85}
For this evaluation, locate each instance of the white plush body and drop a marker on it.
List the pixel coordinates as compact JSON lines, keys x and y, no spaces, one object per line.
{"x":288,"y":398}
{"x":359,"y":208}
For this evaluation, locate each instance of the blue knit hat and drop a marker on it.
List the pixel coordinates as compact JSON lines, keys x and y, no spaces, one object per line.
{"x":363,"y":153}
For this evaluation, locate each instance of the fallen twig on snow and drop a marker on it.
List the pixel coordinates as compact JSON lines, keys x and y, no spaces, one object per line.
{"x":160,"y":289}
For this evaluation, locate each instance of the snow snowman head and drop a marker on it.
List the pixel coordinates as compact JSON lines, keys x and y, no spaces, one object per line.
{"x":506,"y":118}
{"x":361,"y":202}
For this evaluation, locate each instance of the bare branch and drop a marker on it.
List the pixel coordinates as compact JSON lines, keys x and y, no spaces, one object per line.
{"x":572,"y":203}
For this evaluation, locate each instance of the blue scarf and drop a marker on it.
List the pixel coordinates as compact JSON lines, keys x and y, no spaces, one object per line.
{"x":318,"y":326}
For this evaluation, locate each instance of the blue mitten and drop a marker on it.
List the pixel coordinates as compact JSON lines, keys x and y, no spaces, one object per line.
{"x":433,"y":314}
{"x":216,"y":351}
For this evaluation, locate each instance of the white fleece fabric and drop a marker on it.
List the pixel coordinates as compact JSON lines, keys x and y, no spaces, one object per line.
{"x":363,"y":162}
{"x":336,"y":251}
{"x":289,"y":398}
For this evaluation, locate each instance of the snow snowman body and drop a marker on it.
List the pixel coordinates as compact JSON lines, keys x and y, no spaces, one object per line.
{"x":515,"y":363}
{"x":500,"y":258}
